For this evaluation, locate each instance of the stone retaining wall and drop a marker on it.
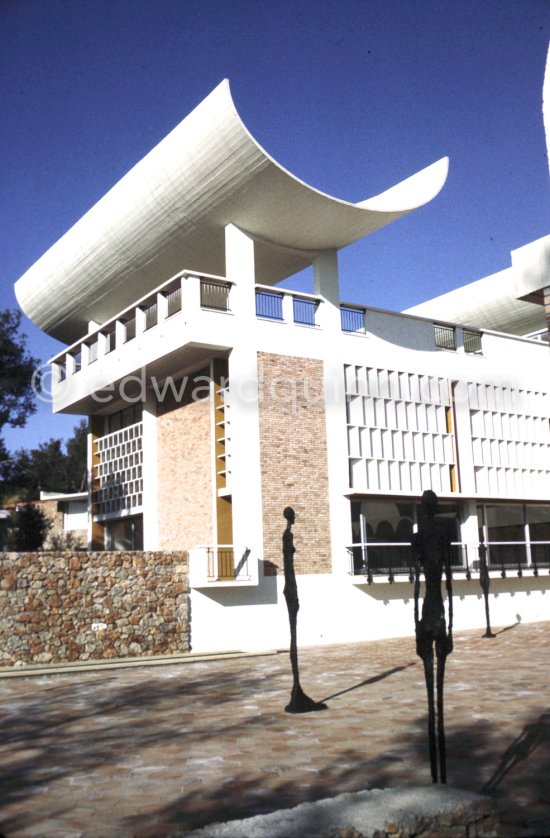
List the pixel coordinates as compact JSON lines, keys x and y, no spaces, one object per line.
{"x":57,"y":607}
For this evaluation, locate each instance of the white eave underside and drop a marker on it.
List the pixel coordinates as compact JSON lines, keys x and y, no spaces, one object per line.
{"x":501,"y":301}
{"x":170,"y":211}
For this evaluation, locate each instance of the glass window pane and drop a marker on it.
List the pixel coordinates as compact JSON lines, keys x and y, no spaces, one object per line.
{"x":505,"y":523}
{"x":538,"y":518}
{"x":387,"y":521}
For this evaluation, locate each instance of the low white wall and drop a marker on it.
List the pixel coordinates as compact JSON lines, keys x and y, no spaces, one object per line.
{"x":334,"y":610}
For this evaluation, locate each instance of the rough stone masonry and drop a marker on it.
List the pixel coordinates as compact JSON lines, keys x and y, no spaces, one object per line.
{"x":78,"y":606}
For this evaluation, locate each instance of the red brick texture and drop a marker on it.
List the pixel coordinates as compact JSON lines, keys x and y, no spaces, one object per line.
{"x":293,"y":459}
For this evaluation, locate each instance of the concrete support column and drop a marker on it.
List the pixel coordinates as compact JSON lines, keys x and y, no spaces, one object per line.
{"x":239,"y":269}
{"x":246,"y":485}
{"x":190,"y":296}
{"x":150,"y":475}
{"x":288,"y":308}
{"x":95,"y":529}
{"x":469,"y":530}
{"x":460,"y":425}
{"x":140,"y":320}
{"x":546,"y":295}
{"x":326,"y":284}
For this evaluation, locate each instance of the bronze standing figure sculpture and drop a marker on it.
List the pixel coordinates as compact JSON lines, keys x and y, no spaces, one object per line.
{"x":431,"y":550}
{"x":299,"y":701}
{"x":485,"y":582}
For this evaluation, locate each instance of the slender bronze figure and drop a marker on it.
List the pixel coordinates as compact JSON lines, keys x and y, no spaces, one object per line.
{"x":431,"y":550}
{"x":299,"y":701}
{"x":485,"y":582}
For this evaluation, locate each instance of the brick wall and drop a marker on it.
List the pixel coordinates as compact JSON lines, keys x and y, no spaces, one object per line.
{"x":185,"y":471}
{"x":70,"y":606}
{"x":293,"y":455}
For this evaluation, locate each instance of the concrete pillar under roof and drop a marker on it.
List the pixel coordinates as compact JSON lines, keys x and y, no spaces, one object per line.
{"x":325,"y":276}
{"x":546,"y":296}
{"x":326,"y":284}
{"x":244,"y":395}
{"x":239,"y":269}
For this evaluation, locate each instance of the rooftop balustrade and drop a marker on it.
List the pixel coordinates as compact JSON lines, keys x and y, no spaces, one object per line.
{"x":183,"y":311}
{"x":166,"y":301}
{"x":183,"y":295}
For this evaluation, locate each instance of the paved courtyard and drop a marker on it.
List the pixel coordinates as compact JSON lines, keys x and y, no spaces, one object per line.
{"x":151,"y":752}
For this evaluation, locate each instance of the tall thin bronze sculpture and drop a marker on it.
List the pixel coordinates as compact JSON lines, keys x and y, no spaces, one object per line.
{"x":299,"y":701}
{"x":485,"y":582}
{"x":431,"y":551}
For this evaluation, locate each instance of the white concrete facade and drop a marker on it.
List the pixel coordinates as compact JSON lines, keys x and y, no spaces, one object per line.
{"x":410,"y":402}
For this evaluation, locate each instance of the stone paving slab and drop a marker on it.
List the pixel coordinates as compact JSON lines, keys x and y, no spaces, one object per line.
{"x":150,"y":753}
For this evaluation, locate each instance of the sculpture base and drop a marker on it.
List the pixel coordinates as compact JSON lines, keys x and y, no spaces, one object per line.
{"x":302,"y":703}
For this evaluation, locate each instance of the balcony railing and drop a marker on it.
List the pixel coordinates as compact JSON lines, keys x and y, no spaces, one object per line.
{"x":287,"y":306}
{"x":218,"y":564}
{"x":375,"y":559}
{"x":352,"y":318}
{"x":269,"y":304}
{"x":215,"y":294}
{"x":144,"y":315}
{"x":304,"y":311}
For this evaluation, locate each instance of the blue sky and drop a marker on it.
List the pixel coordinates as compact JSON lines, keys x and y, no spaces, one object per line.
{"x":350,"y":95}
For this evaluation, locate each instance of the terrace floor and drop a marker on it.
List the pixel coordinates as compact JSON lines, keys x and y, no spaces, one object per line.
{"x":152,"y":752}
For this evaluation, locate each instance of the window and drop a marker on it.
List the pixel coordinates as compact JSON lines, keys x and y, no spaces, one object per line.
{"x":124,"y":534}
{"x":124,"y":418}
{"x":504,"y":533}
{"x":538,"y":519}
{"x":382,"y":532}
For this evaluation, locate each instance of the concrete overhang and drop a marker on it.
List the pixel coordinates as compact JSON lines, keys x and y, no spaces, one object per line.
{"x":172,"y":207}
{"x":509,"y":301}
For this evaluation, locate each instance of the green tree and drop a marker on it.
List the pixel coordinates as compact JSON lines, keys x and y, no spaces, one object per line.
{"x":52,"y":467}
{"x":76,"y":448}
{"x":16,"y":371}
{"x":31,"y":527}
{"x":16,"y":394}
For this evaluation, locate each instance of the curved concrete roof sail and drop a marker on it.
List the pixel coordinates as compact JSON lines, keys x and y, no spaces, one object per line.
{"x":169,"y":212}
{"x":508,"y":301}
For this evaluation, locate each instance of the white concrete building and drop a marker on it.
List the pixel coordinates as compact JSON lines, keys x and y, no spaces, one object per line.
{"x":216,"y":399}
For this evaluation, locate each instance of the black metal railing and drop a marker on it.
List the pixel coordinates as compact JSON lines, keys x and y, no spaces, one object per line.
{"x":445,"y":337}
{"x":130,"y":326}
{"x":173,"y":301}
{"x":352,"y":319}
{"x":392,"y":558}
{"x":472,"y":342}
{"x":304,"y":311}
{"x":151,"y":316}
{"x":518,"y":556}
{"x":215,"y":294}
{"x":269,"y":304}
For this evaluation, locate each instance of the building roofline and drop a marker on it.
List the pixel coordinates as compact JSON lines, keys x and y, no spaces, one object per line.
{"x":172,"y":207}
